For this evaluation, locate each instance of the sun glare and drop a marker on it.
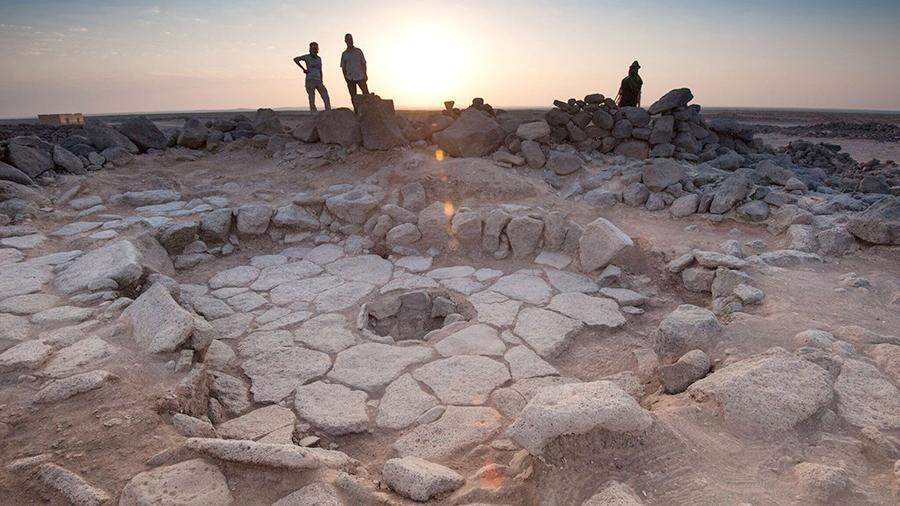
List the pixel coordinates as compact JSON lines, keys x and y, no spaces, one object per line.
{"x":427,"y":65}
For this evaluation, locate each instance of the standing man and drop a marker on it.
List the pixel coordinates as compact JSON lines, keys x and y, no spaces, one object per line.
{"x":313,"y":73}
{"x":353,"y":63}
{"x":630,"y":91}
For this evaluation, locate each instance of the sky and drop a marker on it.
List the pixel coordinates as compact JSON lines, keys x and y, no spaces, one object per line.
{"x":105,"y":56}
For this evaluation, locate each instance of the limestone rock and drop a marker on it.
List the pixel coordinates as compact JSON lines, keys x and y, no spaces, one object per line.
{"x":600,"y":242}
{"x":276,"y":374}
{"x":72,"y":486}
{"x":473,"y":134}
{"x":687,"y":328}
{"x":463,"y":379}
{"x":403,"y":403}
{"x":592,"y":311}
{"x":354,"y":366}
{"x":334,"y":409}
{"x":120,"y":261}
{"x":62,"y":389}
{"x":353,"y":206}
{"x":193,"y":482}
{"x":577,"y":408}
{"x":418,"y":479}
{"x":456,"y":431}
{"x":545,"y":331}
{"x":158,"y":323}
{"x":524,"y":234}
{"x":773,"y":391}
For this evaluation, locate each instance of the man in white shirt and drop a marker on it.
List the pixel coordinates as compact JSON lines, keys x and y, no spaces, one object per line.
{"x":353,"y":63}
{"x":313,"y":73}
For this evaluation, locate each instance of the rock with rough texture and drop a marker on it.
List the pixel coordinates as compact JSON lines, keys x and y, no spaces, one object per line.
{"x":473,"y":134}
{"x":524,"y":363}
{"x":879,"y":224}
{"x":592,"y":311}
{"x":10,"y":173}
{"x":600,"y":242}
{"x":353,"y":206}
{"x":546,"y":332}
{"x":353,"y":366}
{"x":478,"y":339}
{"x":258,"y":423}
{"x":456,"y":431}
{"x":253,"y":219}
{"x":64,"y":158}
{"x":403,"y":403}
{"x":29,"y":159}
{"x":72,"y":486}
{"x":143,"y":133}
{"x":866,"y":398}
{"x":120,"y":261}
{"x":533,"y":154}
{"x":731,"y":191}
{"x":577,"y":408}
{"x":418,"y":479}
{"x":314,"y":494}
{"x":533,"y":131}
{"x":339,"y":126}
{"x":334,"y":409}
{"x":661,"y":173}
{"x":25,"y":355}
{"x":524,"y":287}
{"x":685,"y":205}
{"x":266,"y":122}
{"x":64,"y":388}
{"x":378,"y":123}
{"x":277,"y":373}
{"x":193,"y":135}
{"x":770,"y":392}
{"x":687,"y":328}
{"x":158,"y":323}
{"x":192,"y":482}
{"x":614,"y":494}
{"x":693,"y":365}
{"x":820,"y":483}
{"x":524,"y":234}
{"x":563,"y":163}
{"x":636,"y":149}
{"x":463,"y":379}
{"x":674,"y":99}
{"x":279,"y":456}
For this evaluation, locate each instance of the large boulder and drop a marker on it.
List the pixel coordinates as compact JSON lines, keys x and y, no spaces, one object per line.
{"x":662,"y":173}
{"x":267,"y":122}
{"x":64,"y":158}
{"x":10,"y":173}
{"x":158,"y":323}
{"x":766,"y":393}
{"x":639,"y":150}
{"x":577,"y":408}
{"x":687,"y":328}
{"x":672,"y":100}
{"x":866,"y":397}
{"x":378,"y":123}
{"x":31,"y":160}
{"x":103,"y":136}
{"x":732,"y":190}
{"x":120,"y":261}
{"x":144,"y":133}
{"x":879,"y":224}
{"x":600,"y":242}
{"x":473,"y":134}
{"x":339,"y":126}
{"x":193,"y":135}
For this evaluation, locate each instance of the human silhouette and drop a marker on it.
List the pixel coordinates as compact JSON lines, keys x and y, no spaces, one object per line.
{"x":313,"y":71}
{"x":353,"y":63}
{"x":630,"y":90}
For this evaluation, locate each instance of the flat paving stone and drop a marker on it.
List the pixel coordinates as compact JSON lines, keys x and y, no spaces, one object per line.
{"x":464,"y":379}
{"x":78,"y":227}
{"x":27,"y":355}
{"x":334,"y":409}
{"x":458,"y":430}
{"x":458,"y":271}
{"x":257,"y":423}
{"x":210,"y":307}
{"x":568,"y":281}
{"x":370,"y":366}
{"x":23,"y":241}
{"x":465,"y":286}
{"x":14,"y":328}
{"x":524,"y":287}
{"x":624,"y":296}
{"x":62,"y":314}
{"x":303,"y":291}
{"x":247,"y":301}
{"x":495,"y":309}
{"x":270,"y":277}
{"x":73,"y":359}
{"x":242,"y":275}
{"x":342,"y":297}
{"x":524,"y":363}
{"x":403,"y":403}
{"x":324,"y":254}
{"x":274,"y":375}
{"x":409,"y":282}
{"x":371,"y":269}
{"x":553,"y":259}
{"x":329,"y":333}
{"x":29,"y":303}
{"x":478,"y":339}
{"x":546,"y":332}
{"x":23,"y":279}
{"x":414,"y":263}
{"x":592,"y":311}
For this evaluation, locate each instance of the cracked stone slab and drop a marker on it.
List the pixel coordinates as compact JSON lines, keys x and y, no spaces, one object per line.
{"x":303,"y":291}
{"x":342,"y":297}
{"x":257,"y":423}
{"x":371,"y":269}
{"x":240,"y":276}
{"x":463,"y":379}
{"x":524,"y":363}
{"x":568,"y":281}
{"x":478,"y":339}
{"x":592,"y":311}
{"x":459,"y":429}
{"x":547,"y":332}
{"x":334,"y":409}
{"x":72,"y":359}
{"x":523,"y":287}
{"x":370,"y":366}
{"x":275,"y":275}
{"x":276,"y":374}
{"x":403,"y":403}
{"x":330,"y":333}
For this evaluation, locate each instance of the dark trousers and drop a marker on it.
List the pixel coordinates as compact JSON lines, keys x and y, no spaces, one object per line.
{"x":351,"y":85}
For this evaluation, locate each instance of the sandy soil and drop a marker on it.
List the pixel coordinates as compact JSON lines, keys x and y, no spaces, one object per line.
{"x":688,"y":458}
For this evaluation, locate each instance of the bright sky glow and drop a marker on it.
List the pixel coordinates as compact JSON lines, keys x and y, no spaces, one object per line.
{"x":99,"y":56}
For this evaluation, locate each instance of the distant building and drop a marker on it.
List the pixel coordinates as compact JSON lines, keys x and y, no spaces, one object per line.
{"x":61,"y":119}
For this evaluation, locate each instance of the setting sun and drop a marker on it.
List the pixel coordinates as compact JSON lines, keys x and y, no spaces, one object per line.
{"x":427,"y":64}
